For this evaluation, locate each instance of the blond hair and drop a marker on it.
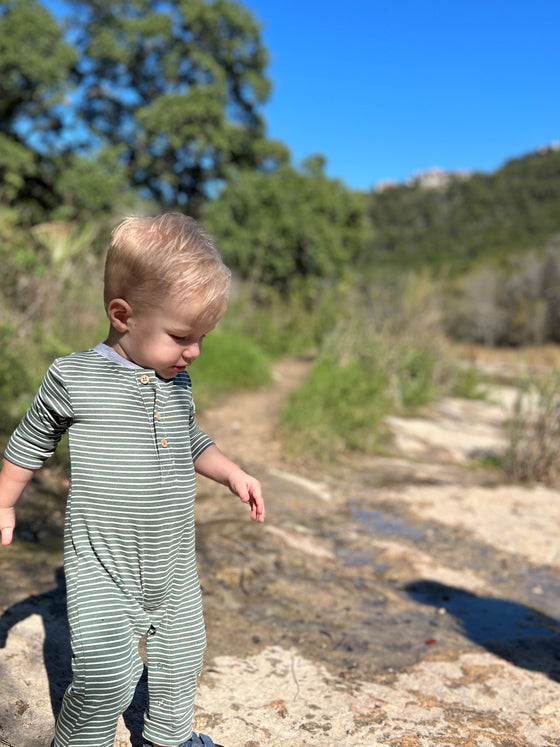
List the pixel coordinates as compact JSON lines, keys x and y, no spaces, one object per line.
{"x":150,"y":259}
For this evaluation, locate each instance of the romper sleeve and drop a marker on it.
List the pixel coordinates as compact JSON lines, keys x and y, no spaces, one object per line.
{"x":200,"y":441}
{"x":50,"y":415}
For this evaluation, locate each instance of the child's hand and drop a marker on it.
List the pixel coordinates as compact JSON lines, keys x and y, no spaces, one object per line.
{"x":7,"y":524}
{"x":13,"y":480}
{"x":249,"y":490}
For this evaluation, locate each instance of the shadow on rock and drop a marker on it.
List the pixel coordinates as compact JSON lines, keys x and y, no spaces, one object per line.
{"x":57,"y":652}
{"x":51,"y":607}
{"x":523,"y":636}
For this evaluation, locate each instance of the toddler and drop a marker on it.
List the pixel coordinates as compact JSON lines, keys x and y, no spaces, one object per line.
{"x":135,"y":446}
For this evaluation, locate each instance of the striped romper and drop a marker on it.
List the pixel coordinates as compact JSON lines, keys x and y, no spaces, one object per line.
{"x":129,"y":546}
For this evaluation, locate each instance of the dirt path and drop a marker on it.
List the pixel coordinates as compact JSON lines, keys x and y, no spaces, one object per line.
{"x":245,"y":426}
{"x":406,"y":601}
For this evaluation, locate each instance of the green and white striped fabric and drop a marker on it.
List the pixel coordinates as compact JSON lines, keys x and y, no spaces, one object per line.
{"x":129,"y":547}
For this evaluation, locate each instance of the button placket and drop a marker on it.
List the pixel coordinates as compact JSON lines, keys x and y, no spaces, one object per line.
{"x":161,"y":434}
{"x":159,"y":428}
{"x":149,"y":390}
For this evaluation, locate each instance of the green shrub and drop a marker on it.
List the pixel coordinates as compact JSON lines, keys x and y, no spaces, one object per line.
{"x":415,"y":374}
{"x":342,"y":405}
{"x":229,"y":362}
{"x":338,"y":407}
{"x":16,"y":385}
{"x":283,"y":324}
{"x":468,"y":384}
{"x":385,"y":354}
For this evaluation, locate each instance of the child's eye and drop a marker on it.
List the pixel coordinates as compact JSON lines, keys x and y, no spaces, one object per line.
{"x":185,"y":339}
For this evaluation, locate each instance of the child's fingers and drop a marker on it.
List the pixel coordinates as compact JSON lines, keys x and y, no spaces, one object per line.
{"x":257,"y":505}
{"x":7,"y":533}
{"x":250,"y":492}
{"x":7,"y":524}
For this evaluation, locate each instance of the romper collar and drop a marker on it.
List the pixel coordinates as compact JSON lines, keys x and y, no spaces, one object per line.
{"x":106,"y":351}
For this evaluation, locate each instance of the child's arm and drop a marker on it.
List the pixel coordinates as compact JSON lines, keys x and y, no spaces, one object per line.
{"x":13,"y":480}
{"x":214,"y":464}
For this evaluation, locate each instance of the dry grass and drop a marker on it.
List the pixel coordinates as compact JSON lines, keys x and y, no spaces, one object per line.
{"x":532,"y":357}
{"x":533,"y":453}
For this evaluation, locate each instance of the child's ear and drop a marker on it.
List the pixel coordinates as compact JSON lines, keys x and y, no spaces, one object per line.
{"x":119,"y":312}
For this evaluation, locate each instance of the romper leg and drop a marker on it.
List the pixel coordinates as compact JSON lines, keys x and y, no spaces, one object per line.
{"x":106,"y":664}
{"x":175,"y":653}
{"x":106,"y":669}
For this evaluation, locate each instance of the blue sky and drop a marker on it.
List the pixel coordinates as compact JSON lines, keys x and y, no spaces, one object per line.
{"x":385,"y":89}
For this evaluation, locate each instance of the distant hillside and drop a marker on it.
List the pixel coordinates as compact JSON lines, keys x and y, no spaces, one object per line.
{"x":466,"y":220}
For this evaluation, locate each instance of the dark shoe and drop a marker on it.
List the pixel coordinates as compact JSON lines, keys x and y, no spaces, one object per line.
{"x":197,"y":740}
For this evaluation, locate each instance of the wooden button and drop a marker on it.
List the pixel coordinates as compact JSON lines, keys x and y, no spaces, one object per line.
{"x":158,"y":416}
{"x":144,"y":379}
{"x":164,"y":443}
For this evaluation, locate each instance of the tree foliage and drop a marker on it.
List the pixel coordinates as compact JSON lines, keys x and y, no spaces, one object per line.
{"x":35,"y":65}
{"x":177,"y":87}
{"x":280,"y":227}
{"x":160,"y":100}
{"x":469,"y":220}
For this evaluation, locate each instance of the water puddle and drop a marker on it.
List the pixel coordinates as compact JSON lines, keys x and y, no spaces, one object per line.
{"x":520,"y":622}
{"x":381,"y":522}
{"x":376,"y":522}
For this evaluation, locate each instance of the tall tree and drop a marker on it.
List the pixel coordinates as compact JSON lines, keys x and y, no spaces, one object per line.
{"x":177,"y":87}
{"x":278,"y":228}
{"x":35,"y":64}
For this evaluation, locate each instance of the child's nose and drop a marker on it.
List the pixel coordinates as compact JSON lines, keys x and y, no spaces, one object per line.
{"x":192,"y":351}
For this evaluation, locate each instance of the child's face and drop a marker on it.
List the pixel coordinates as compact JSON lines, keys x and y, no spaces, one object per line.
{"x":167,"y":338}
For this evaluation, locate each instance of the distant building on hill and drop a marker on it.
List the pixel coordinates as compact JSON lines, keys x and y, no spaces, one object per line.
{"x":436,"y":177}
{"x":431,"y":179}
{"x":555,"y":145}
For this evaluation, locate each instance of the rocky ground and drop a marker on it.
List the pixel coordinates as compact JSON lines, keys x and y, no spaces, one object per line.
{"x":411,"y":600}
